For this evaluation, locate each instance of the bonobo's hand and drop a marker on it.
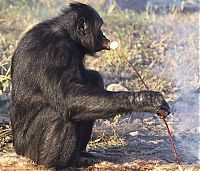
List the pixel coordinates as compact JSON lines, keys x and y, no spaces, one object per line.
{"x":150,"y":101}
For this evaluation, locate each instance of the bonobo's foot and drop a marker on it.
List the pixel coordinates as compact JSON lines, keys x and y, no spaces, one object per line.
{"x":84,"y":162}
{"x":79,"y":163}
{"x":82,"y":159}
{"x":87,"y":155}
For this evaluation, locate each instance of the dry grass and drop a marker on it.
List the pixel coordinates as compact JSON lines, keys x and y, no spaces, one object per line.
{"x":11,"y":162}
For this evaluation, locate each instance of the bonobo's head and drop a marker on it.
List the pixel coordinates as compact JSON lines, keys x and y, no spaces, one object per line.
{"x":87,"y":28}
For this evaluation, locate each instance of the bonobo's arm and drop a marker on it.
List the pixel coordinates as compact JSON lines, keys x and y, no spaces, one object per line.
{"x":86,"y":102}
{"x":90,"y":103}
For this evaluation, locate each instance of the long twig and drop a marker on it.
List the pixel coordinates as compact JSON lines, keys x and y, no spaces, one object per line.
{"x":167,"y":127}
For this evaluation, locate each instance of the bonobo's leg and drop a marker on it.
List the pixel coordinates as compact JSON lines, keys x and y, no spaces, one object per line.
{"x":84,"y":131}
{"x":51,"y":139}
{"x":84,"y":128}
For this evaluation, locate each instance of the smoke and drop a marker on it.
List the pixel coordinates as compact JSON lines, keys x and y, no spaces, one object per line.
{"x":187,"y":128}
{"x":186,"y":114}
{"x":185,"y":74}
{"x":182,"y":67}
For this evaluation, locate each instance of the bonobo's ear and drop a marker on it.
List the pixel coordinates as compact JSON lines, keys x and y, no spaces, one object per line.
{"x":82,"y":26}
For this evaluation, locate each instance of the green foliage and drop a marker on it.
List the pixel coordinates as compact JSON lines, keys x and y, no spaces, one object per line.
{"x":5,"y":80}
{"x":6,"y":50}
{"x":116,"y":119}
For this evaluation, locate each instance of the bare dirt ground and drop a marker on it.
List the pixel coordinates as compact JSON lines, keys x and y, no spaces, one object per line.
{"x":138,"y":142}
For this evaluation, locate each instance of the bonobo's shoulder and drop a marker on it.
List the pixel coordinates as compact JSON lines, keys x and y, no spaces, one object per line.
{"x":45,"y":27}
{"x":45,"y":33}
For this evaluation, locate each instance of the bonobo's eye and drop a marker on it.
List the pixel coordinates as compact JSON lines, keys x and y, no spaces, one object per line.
{"x":100,"y":25}
{"x":101,"y":41}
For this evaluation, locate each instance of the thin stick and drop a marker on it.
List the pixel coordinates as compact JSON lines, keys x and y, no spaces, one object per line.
{"x":138,"y":74}
{"x":167,"y":127}
{"x":172,"y":142}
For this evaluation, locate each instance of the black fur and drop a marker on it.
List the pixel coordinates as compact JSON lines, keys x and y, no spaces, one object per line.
{"x":55,"y":100}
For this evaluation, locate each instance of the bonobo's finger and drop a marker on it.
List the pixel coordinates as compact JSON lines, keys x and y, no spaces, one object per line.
{"x":163,"y":114}
{"x":164,"y":111}
{"x":150,"y":101}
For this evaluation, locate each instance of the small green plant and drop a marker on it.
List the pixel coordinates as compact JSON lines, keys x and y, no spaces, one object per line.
{"x":5,"y":79}
{"x":6,"y":50}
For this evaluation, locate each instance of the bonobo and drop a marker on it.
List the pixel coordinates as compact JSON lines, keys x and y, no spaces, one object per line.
{"x":55,"y":99}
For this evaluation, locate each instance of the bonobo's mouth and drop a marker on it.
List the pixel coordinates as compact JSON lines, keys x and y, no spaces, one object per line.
{"x":106,"y":45}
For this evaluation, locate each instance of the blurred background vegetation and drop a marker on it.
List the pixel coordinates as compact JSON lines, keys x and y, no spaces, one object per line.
{"x":148,"y":37}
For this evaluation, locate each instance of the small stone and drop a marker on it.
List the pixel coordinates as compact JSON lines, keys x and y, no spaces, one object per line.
{"x":116,"y":87}
{"x":135,"y":133}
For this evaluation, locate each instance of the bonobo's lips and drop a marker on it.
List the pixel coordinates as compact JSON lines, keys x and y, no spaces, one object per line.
{"x":106,"y":45}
